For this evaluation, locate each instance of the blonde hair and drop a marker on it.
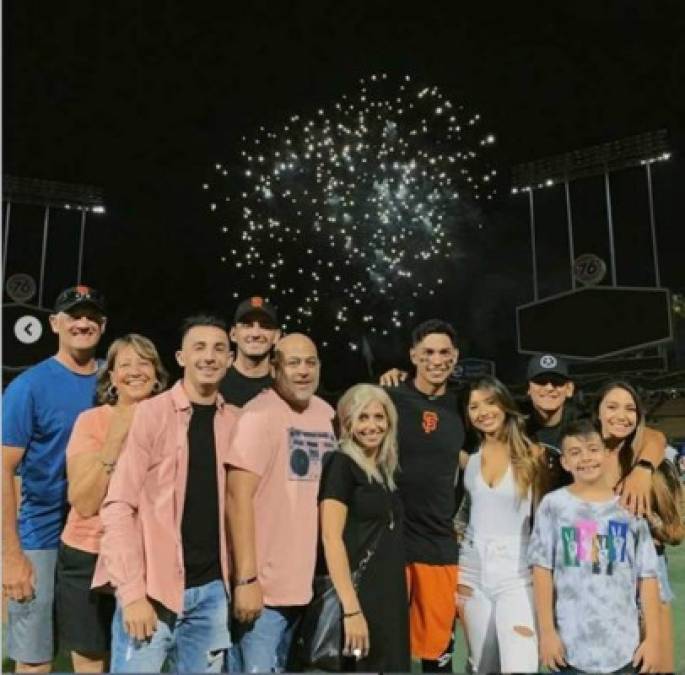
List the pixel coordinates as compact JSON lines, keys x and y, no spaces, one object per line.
{"x":145,"y":348}
{"x":350,"y":407}
{"x":523,"y":462}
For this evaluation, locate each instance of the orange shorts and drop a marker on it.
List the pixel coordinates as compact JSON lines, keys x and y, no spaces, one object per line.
{"x":432,"y":608}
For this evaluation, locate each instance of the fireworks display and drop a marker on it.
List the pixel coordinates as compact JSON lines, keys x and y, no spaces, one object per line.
{"x":349,"y":218}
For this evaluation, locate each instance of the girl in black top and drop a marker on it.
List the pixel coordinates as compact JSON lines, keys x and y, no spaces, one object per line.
{"x":361,"y":518}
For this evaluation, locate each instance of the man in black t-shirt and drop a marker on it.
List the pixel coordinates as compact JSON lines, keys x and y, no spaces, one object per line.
{"x":550,"y":407}
{"x":255,"y":331}
{"x":430,"y":435}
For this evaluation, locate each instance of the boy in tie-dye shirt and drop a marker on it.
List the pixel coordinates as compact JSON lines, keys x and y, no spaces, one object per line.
{"x":590,"y":558}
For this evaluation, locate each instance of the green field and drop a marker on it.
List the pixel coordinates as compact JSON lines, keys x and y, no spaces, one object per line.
{"x":676,"y":564}
{"x":676,"y":568}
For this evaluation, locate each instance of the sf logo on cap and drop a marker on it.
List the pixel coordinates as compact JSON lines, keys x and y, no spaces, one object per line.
{"x":256,"y":301}
{"x":548,"y":361}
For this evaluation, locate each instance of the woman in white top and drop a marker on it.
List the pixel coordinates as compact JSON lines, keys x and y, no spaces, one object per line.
{"x":495,"y":588}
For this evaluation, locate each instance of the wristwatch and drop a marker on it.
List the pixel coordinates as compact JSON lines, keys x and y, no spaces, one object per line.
{"x":645,"y":464}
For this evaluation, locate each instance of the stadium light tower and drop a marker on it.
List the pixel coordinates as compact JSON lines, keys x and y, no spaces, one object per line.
{"x":50,"y":195}
{"x":639,"y":150}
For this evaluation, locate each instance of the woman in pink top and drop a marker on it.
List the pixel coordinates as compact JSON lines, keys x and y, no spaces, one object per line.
{"x":133,"y":372}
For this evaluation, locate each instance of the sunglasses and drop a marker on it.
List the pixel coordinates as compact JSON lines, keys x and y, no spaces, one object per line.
{"x":77,"y":295}
{"x":554,"y":380}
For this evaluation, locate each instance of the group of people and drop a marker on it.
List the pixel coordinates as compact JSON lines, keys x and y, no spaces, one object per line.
{"x":186,"y":526}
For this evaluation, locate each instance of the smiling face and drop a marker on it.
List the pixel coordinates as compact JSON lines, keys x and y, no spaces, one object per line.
{"x":584,"y":457}
{"x":133,"y":375}
{"x":618,"y":413}
{"x":79,"y":330}
{"x":485,"y":413}
{"x":297,"y":370}
{"x":548,"y":393}
{"x":204,"y":357}
{"x":434,"y":359}
{"x":370,"y":427}
{"x":255,"y":335}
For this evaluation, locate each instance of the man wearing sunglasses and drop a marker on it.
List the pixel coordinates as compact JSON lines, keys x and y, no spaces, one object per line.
{"x":39,"y":410}
{"x":551,"y":406}
{"x":551,"y":391}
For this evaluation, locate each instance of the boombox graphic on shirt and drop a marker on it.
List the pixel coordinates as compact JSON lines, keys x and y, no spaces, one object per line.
{"x":306,"y":450}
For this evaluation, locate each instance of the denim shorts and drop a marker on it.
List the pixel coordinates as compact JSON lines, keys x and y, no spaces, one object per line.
{"x":30,"y":624}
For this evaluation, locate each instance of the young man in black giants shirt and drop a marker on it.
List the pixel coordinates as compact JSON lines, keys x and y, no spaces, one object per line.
{"x":255,"y":331}
{"x":430,"y":436}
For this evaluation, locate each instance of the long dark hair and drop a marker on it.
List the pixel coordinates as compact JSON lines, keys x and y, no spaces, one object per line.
{"x":523,"y":462}
{"x":628,"y":449}
{"x":666,"y":522}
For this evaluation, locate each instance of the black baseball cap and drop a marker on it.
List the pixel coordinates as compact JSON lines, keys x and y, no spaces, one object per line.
{"x":547,"y":364}
{"x":77,"y":296}
{"x":255,"y":305}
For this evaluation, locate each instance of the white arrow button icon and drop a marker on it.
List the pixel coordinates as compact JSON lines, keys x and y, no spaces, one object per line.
{"x":28,"y":329}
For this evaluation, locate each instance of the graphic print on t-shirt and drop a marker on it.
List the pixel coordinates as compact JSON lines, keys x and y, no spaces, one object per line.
{"x":429,"y":421}
{"x":306,"y":450}
{"x":583,"y":543}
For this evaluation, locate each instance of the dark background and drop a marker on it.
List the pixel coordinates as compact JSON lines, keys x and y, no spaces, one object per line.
{"x":142,"y":98}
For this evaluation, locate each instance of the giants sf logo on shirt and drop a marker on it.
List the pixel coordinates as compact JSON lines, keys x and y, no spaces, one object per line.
{"x":430,"y":421}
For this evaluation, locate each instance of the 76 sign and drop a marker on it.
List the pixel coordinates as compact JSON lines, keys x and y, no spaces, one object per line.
{"x":20,"y":287}
{"x":589,"y":269}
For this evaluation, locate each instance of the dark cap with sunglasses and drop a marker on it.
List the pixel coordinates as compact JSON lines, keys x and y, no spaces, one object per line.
{"x":80,"y":296}
{"x":255,"y":306}
{"x":542,"y":366}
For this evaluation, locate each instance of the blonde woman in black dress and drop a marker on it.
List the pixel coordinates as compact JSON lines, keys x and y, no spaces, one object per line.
{"x":360,"y":511}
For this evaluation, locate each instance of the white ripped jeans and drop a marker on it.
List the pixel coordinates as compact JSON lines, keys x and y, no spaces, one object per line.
{"x":498,"y":612}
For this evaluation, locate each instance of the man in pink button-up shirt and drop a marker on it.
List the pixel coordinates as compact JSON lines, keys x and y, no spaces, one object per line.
{"x":164,"y":547}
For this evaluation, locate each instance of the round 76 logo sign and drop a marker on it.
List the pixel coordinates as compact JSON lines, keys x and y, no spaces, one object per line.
{"x":589,"y":269}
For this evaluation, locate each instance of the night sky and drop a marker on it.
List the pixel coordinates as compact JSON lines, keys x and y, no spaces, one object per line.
{"x":143,"y":98}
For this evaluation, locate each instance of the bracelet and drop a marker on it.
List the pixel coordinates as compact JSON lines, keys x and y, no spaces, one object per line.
{"x":645,"y":464}
{"x":108,"y":466}
{"x":244,"y":582}
{"x":349,"y":615}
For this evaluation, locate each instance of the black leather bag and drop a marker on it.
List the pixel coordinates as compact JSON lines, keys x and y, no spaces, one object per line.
{"x":318,"y":642}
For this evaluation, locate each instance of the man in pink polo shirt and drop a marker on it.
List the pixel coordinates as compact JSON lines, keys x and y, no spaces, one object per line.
{"x":275,"y":461}
{"x":164,"y":547}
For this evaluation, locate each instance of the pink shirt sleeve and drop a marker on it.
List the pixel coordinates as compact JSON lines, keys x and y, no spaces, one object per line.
{"x":84,"y":436}
{"x":251,"y":447}
{"x":122,"y":547}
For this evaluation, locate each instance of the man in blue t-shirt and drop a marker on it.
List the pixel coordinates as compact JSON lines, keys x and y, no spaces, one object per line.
{"x":39,"y":410}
